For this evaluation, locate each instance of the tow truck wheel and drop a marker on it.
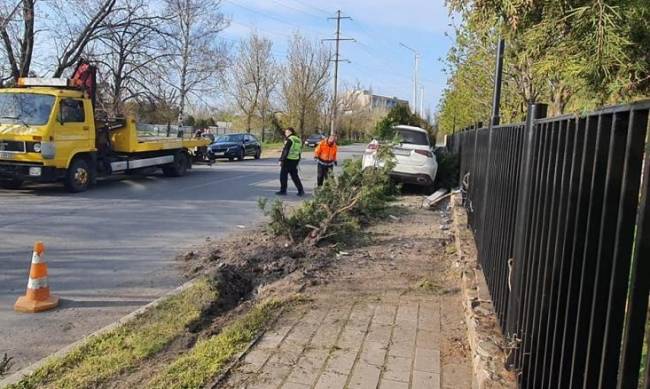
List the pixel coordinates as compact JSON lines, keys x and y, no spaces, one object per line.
{"x":178,"y":168}
{"x":11,"y":184}
{"x":78,"y":177}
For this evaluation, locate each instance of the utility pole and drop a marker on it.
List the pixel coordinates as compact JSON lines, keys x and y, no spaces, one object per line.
{"x":415,"y":75}
{"x":422,"y":102}
{"x":336,"y":60}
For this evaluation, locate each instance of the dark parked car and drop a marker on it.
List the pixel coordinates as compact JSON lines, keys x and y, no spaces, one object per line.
{"x":233,"y":146}
{"x":314,"y":139}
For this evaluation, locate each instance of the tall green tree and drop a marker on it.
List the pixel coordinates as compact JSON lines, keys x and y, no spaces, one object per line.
{"x":573,"y":54}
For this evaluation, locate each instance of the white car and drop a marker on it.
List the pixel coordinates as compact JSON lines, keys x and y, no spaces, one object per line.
{"x":415,"y":161}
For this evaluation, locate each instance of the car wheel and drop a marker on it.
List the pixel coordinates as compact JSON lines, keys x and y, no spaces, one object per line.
{"x":11,"y":184}
{"x":242,"y":155}
{"x":78,"y":176}
{"x":178,"y":168}
{"x":258,"y":153}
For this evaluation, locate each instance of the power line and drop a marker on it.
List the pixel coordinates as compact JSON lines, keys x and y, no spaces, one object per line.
{"x":266,"y":15}
{"x":389,"y":65}
{"x":303,"y":11}
{"x":312,"y":7}
{"x":336,"y":60}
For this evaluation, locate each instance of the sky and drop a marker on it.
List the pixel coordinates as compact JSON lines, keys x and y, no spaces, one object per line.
{"x":377,"y":60}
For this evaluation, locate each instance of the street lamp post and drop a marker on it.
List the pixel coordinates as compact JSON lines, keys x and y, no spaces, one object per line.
{"x":415,"y":75}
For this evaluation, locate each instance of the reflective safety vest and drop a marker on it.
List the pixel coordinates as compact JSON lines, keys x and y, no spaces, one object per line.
{"x":325,"y":152}
{"x":296,"y":148}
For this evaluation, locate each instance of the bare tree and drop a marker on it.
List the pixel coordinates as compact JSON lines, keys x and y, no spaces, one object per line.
{"x":198,"y":59}
{"x":265,"y":108}
{"x":130,"y":51}
{"x":307,"y":75}
{"x":17,"y":33}
{"x":73,"y":34}
{"x":252,"y":75}
{"x":70,"y":26}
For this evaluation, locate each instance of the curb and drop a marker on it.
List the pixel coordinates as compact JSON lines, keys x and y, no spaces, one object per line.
{"x":26,"y":371}
{"x":485,"y":339}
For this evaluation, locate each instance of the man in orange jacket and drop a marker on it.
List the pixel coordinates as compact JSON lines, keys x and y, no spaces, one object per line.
{"x":325,"y":155}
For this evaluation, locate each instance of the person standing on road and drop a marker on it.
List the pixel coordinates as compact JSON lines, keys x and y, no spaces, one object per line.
{"x":289,"y":160}
{"x":325,"y":155}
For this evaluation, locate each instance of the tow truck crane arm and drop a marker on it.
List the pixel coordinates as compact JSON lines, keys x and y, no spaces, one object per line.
{"x":85,"y":78}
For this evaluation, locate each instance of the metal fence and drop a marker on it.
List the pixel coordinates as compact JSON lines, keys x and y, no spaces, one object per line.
{"x":559,"y":210}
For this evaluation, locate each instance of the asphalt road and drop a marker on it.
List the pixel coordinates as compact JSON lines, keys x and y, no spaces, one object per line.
{"x":112,"y":249}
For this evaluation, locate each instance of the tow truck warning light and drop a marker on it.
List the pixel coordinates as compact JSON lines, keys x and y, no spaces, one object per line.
{"x":32,"y":81}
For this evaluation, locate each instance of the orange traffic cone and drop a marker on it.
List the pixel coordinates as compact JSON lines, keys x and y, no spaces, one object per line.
{"x":38,"y":296}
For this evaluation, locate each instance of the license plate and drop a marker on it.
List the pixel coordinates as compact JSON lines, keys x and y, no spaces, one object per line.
{"x":401,"y":152}
{"x":220,"y":154}
{"x":6,"y":155}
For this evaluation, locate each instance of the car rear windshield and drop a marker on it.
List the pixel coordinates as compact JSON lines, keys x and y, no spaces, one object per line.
{"x":25,"y":108}
{"x":231,"y":138}
{"x":412,"y":137}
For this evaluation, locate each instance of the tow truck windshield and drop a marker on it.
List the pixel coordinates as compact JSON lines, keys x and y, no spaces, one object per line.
{"x":25,"y":108}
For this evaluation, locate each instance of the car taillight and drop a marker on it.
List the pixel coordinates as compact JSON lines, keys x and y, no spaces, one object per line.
{"x":426,"y":153}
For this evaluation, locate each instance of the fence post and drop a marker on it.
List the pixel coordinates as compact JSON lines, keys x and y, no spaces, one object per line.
{"x":637,"y":302}
{"x":535,"y":111}
{"x":486,"y":185}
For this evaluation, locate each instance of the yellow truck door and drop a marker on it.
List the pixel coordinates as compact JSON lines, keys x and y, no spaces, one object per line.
{"x":74,"y":130}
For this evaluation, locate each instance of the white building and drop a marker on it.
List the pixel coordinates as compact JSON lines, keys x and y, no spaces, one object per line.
{"x":363,"y":99}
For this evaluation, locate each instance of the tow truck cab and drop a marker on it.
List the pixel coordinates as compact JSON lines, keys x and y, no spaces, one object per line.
{"x":48,"y":133}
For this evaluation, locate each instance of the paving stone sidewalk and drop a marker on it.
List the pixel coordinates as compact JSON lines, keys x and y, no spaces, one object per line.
{"x":386,"y":341}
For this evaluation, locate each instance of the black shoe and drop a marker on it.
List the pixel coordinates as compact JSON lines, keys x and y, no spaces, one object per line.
{"x":281,"y":193}
{"x":301,"y":193}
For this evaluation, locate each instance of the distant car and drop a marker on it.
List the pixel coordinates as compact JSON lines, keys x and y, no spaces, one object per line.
{"x":314,"y":139}
{"x":233,"y":146}
{"x":415,"y":161}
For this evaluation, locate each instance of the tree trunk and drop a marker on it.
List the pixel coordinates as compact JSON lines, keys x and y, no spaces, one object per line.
{"x":301,"y":123}
{"x":27,"y":44}
{"x":183,"y":87}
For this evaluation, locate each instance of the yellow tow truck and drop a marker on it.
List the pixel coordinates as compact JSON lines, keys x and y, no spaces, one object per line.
{"x":49,"y":133}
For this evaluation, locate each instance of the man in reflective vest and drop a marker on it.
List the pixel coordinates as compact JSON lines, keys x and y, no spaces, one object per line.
{"x":289,"y":160}
{"x":325,"y":155}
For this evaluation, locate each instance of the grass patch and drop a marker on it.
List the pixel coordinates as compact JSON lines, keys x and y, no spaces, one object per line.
{"x":272,"y":146}
{"x":209,"y":356}
{"x":104,"y":356}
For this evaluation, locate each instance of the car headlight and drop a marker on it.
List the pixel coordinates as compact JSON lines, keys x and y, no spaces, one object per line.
{"x":37,"y":147}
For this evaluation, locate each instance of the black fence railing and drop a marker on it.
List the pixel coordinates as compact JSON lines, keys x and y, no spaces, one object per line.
{"x":560,"y":214}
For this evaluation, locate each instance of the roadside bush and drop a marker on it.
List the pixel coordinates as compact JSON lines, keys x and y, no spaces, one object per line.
{"x":448,"y":169}
{"x":337,"y":208}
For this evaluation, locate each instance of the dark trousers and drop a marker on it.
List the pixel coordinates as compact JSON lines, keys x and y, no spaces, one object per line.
{"x":290,"y":167}
{"x":323,"y":173}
